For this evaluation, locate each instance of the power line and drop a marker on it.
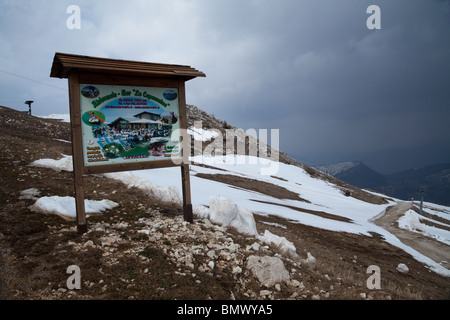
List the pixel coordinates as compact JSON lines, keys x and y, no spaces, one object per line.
{"x":30,"y":79}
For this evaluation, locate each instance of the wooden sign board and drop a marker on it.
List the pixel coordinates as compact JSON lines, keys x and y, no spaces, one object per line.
{"x":125,"y":115}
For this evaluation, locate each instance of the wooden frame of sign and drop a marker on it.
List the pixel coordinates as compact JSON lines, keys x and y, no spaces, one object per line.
{"x":125,"y":115}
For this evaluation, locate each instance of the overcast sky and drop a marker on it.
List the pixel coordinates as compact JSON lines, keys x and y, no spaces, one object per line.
{"x":336,"y":90}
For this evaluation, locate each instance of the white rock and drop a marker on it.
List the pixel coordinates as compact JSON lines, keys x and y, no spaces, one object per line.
{"x":296,"y":284}
{"x":88,"y":244}
{"x":402,"y":268}
{"x":268,"y":270}
{"x":263,"y":293}
{"x":310,"y":258}
{"x":237,"y":269}
{"x":211,"y":254}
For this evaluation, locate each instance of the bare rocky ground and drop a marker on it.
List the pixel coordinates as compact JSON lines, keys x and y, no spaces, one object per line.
{"x":143,"y":249}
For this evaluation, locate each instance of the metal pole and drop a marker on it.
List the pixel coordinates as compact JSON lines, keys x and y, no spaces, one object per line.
{"x":421,"y":204}
{"x":422,"y":195}
{"x":29,"y":102}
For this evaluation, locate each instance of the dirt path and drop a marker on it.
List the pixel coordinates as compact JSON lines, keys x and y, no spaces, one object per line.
{"x":433,"y":249}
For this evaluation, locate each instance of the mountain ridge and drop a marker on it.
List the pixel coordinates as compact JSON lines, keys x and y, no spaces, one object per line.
{"x":338,"y":167}
{"x":432,"y":180}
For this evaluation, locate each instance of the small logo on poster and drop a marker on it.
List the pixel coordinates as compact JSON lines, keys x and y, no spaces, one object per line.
{"x":90,"y":92}
{"x":93,"y":118}
{"x":170,"y":94}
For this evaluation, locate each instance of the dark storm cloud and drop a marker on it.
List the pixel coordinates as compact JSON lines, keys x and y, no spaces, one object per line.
{"x":337,"y":90}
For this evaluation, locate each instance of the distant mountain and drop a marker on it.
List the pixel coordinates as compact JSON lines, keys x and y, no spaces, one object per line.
{"x":355,"y":173}
{"x":336,"y":168}
{"x":434,"y":180}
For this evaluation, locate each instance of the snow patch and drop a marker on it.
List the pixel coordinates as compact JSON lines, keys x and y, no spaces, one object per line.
{"x":281,"y":243}
{"x":65,"y":206}
{"x":63,"y":117}
{"x":274,"y":224}
{"x":63,"y":164}
{"x":30,"y":194}
{"x":226,"y":213}
{"x":200,"y":134}
{"x":166,"y":194}
{"x":411,"y":221}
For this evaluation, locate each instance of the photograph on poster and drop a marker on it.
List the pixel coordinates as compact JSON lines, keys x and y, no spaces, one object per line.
{"x":122,"y":124}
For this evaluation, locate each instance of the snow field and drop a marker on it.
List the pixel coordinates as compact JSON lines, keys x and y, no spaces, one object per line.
{"x":211,"y":199}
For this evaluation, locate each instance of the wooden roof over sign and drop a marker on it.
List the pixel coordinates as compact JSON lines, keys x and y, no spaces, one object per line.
{"x":63,"y":63}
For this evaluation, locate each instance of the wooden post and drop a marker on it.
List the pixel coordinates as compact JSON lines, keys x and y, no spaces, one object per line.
{"x":186,"y":186}
{"x":77,"y":147}
{"x":185,"y":175}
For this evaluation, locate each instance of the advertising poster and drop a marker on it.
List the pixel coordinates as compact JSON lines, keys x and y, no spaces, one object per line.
{"x":123,"y":124}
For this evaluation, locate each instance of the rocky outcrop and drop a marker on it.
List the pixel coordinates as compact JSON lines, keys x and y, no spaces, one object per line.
{"x":199,"y":248}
